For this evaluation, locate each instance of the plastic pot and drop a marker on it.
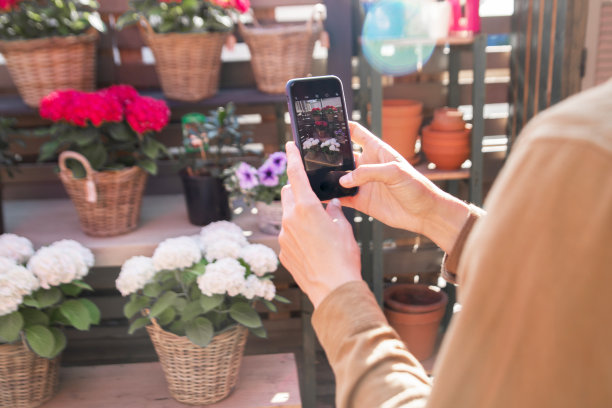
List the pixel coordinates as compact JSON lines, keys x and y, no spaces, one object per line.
{"x":206,"y":199}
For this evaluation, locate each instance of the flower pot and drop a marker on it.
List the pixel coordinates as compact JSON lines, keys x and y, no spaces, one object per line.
{"x":107,"y":202}
{"x":401,"y":120}
{"x":316,"y":117}
{"x":415,"y":312}
{"x":199,"y":375}
{"x":269,"y":217}
{"x":447,"y":149}
{"x":447,"y":119}
{"x":330,"y":117}
{"x":26,"y":380}
{"x":188,"y":64}
{"x":40,"y":66}
{"x":206,"y":199}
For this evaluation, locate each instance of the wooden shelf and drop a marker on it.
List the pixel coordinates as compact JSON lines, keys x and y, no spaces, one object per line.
{"x":437,"y":175}
{"x":164,"y":216}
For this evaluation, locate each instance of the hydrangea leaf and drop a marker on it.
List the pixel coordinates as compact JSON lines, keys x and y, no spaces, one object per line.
{"x":138,"y":323}
{"x":164,"y":302}
{"x":60,"y":341}
{"x":271,"y":306}
{"x":82,"y":285}
{"x":10,"y":326}
{"x":47,"y":297}
{"x":244,"y":314}
{"x":152,"y":290}
{"x":41,"y":340}
{"x":135,"y":305}
{"x":70,"y":289}
{"x":281,"y":299}
{"x":210,"y":302}
{"x":193,"y":309}
{"x":32,"y":317}
{"x":94,"y":312}
{"x":199,"y":331}
{"x":76,"y":313}
{"x":259,"y":332}
{"x":167,"y":316}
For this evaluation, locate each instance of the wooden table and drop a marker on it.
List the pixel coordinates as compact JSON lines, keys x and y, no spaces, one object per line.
{"x":268,"y":380}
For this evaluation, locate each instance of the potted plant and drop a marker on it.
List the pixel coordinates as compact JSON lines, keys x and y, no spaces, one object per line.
{"x":261,"y":186}
{"x":186,"y":38}
{"x":330,"y":113}
{"x":36,"y":302}
{"x":49,"y":44}
{"x":316,"y":114}
{"x":196,"y":297}
{"x":106,"y":141}
{"x":210,"y":145}
{"x":321,"y":128}
{"x":331,"y":150}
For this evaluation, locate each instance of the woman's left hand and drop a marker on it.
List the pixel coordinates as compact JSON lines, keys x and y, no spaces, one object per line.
{"x":317,"y":245}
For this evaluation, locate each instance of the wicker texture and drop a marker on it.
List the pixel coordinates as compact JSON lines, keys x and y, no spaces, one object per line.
{"x":26,"y":380}
{"x":188,"y":64}
{"x":280,"y":53}
{"x":107,"y":202}
{"x":43,"y":65}
{"x":199,"y":375}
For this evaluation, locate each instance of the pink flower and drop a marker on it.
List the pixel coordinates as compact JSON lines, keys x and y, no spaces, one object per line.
{"x":8,"y":5}
{"x":124,"y":94}
{"x":144,"y":114}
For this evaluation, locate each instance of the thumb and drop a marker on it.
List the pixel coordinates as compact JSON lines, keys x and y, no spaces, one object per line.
{"x":334,"y":210}
{"x":386,"y":173}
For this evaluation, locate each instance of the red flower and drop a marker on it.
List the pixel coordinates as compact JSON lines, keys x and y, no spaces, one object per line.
{"x":320,"y":123}
{"x":144,"y":114}
{"x":8,"y":5}
{"x":124,"y":94}
{"x":242,"y":5}
{"x":316,"y":110}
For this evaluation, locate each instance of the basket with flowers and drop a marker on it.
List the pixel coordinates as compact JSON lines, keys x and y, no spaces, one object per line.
{"x":39,"y":295}
{"x":49,"y":44}
{"x":107,"y":144}
{"x":196,"y":297}
{"x":330,"y":112}
{"x":316,"y":114}
{"x":186,"y":38}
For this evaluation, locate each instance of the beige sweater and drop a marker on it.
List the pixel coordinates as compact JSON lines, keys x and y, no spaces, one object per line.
{"x":535,"y":277}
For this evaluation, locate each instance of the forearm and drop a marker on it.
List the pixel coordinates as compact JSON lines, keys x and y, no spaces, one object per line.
{"x":371,"y":365}
{"x":445,"y":220}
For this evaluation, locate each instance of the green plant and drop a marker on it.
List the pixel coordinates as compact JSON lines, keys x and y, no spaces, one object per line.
{"x":8,"y":159}
{"x":210,"y":143}
{"x":37,"y":301}
{"x":197,"y":292}
{"x":28,"y":19}
{"x":184,"y":16}
{"x":113,"y":128}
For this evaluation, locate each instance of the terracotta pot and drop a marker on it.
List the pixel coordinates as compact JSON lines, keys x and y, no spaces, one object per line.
{"x":429,"y":134}
{"x":445,"y":160}
{"x":415,"y":312}
{"x":446,"y":149}
{"x":401,"y":120}
{"x":447,"y":119}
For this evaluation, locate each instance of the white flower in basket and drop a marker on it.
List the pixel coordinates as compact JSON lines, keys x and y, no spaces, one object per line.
{"x":17,"y":248}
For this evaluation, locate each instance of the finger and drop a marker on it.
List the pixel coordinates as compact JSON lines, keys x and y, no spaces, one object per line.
{"x":287,"y":200}
{"x":357,"y":158}
{"x":361,"y":135}
{"x":300,"y":186}
{"x":386,"y":173}
{"x":334,"y":210}
{"x":368,"y":141}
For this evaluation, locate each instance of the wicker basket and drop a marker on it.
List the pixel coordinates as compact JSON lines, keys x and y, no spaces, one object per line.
{"x":280,"y":53}
{"x":107,"y":202}
{"x":188,"y":64}
{"x":269,"y":217}
{"x":26,"y":380}
{"x":199,"y":375}
{"x":43,"y":65}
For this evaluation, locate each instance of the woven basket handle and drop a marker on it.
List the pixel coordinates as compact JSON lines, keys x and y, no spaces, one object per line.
{"x":144,"y":23}
{"x":91,"y":195}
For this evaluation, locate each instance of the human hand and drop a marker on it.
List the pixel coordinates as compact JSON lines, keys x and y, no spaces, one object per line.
{"x":317,"y":245}
{"x":395,"y":193}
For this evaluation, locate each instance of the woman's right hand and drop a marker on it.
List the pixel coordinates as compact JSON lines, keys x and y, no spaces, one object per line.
{"x":395,"y":193}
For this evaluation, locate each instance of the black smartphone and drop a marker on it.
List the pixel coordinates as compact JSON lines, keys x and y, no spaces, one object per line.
{"x":319,"y":123}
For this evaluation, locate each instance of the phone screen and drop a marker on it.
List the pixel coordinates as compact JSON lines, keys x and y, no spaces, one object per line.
{"x":320,"y":129}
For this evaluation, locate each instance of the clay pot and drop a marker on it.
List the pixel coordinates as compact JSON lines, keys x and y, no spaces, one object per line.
{"x":415,"y":312}
{"x":447,"y":119}
{"x":447,"y":149}
{"x":401,"y":121}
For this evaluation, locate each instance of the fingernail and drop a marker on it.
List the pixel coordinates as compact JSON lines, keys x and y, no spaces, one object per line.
{"x":335,"y":202}
{"x":347,"y":179}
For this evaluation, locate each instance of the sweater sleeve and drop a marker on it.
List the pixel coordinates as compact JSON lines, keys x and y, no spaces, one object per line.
{"x":370,"y":362}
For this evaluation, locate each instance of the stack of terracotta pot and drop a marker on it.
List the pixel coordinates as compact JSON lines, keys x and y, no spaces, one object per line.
{"x":401,"y":120}
{"x":446,"y":141}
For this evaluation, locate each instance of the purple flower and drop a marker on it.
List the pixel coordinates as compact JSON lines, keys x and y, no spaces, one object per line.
{"x":278,"y":161}
{"x":267,"y":174}
{"x":247,"y":176}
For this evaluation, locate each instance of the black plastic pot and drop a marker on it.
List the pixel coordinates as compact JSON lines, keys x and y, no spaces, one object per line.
{"x":206,"y":199}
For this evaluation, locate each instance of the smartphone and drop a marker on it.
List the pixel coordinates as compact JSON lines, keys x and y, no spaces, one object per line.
{"x":319,"y":123}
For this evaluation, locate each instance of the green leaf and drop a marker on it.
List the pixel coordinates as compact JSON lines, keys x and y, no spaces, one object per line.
{"x":70,"y":289}
{"x":10,"y":326}
{"x":96,"y":22}
{"x":60,"y":341}
{"x":271,"y":306}
{"x":259,"y":332}
{"x":135,"y":305}
{"x":82,"y":285}
{"x":96,"y":154}
{"x":148,"y":165}
{"x":33,"y":317}
{"x":163,"y":303}
{"x":76,"y":313}
{"x":177,"y":327}
{"x":188,"y":277}
{"x":192,"y":309}
{"x":152,"y":290}
{"x":47,"y":297}
{"x":199,"y":268}
{"x":94,"y":312}
{"x":210,"y":302}
{"x":58,"y":318}
{"x":149,"y":148}
{"x":41,"y":340}
{"x":30,"y":301}
{"x":167,"y":316}
{"x":48,"y":150}
{"x":127,"y":19}
{"x":200,"y":331}
{"x":138,"y":324}
{"x":244,"y":314}
{"x":121,"y":133}
{"x":180,"y":303}
{"x":282,"y":299}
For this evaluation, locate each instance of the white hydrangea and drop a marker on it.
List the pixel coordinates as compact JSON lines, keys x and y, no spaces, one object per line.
{"x":224,"y":248}
{"x":260,"y":258}
{"x":135,"y":273}
{"x":6,"y":263}
{"x":15,"y":282}
{"x":176,"y":253}
{"x":310,"y":142}
{"x":267,"y":290}
{"x":57,"y":265}
{"x":18,"y":248}
{"x":223,"y":276}
{"x":332,"y":144}
{"x":88,"y":256}
{"x":222,"y":230}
